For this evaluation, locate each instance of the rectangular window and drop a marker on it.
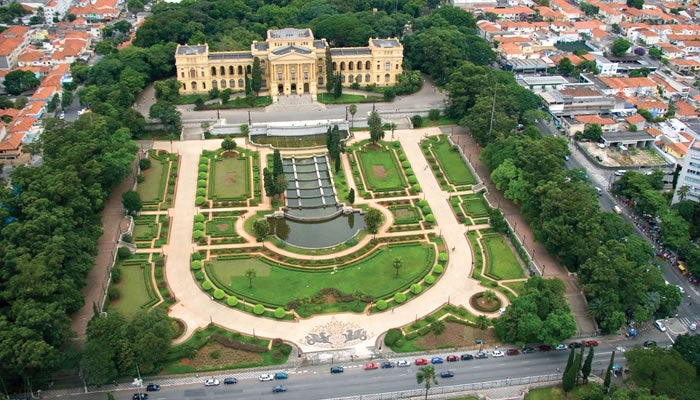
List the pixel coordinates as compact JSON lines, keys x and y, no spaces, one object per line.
{"x":306,"y":75}
{"x":294,"y":75}
{"x":279,"y":76}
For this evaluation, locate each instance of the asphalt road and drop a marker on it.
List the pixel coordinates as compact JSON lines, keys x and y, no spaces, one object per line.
{"x":316,"y":382}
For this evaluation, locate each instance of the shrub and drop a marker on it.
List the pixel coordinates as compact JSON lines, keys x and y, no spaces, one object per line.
{"x":400,"y":297}
{"x":199,"y":200}
{"x":417,"y":121}
{"x":381,"y":305}
{"x":202,"y":175}
{"x":439,"y":269}
{"x":409,"y":171}
{"x":258,"y":309}
{"x":199,"y":275}
{"x":412,"y":179}
{"x":426,"y":210}
{"x":405,"y":164}
{"x":232,"y":301}
{"x":145,"y":163}
{"x":422,"y":203}
{"x":196,"y":256}
{"x":392,"y":336}
{"x":203,"y":168}
{"x":434,"y":114}
{"x":416,"y":288}
{"x":113,"y":292}
{"x":116,"y":274}
{"x":197,"y":235}
{"x":127,"y":238}
{"x":201,"y":192}
{"x":206,"y":285}
{"x":140,"y":178}
{"x":416,"y":187}
{"x":442,"y":257}
{"x":198,"y":226}
{"x":280,"y":313}
{"x":199,"y":218}
{"x":429,"y":280}
{"x":430,"y":218}
{"x":402,"y":157}
{"x":123,"y":253}
{"x":219,"y":294}
{"x":202,"y":183}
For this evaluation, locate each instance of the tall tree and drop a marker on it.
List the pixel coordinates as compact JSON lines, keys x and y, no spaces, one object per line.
{"x":608,"y":372}
{"x":352,"y":108}
{"x":376,"y":131}
{"x":568,"y":379}
{"x":268,"y":183}
{"x":373,"y":218}
{"x":167,"y":114}
{"x":250,"y":274}
{"x":256,"y":80}
{"x":351,"y":196}
{"x":427,"y":376}
{"x":330,"y":74}
{"x":277,"y":165}
{"x":397,"y":265}
{"x":18,"y":81}
{"x":586,"y":369}
{"x":337,"y":86}
{"x":261,"y":228}
{"x":131,"y":202}
{"x":228,"y":144}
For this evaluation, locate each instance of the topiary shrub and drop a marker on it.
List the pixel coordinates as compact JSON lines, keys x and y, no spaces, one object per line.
{"x":382,"y":305}
{"x":439,"y":269}
{"x":197,"y":235}
{"x":422,"y":203}
{"x":405,"y":164}
{"x":416,"y":187}
{"x":198,"y":226}
{"x":392,"y":335}
{"x":219,"y":294}
{"x":426,"y":210}
{"x":202,"y":175}
{"x":400,"y":297}
{"x":196,"y":265}
{"x":199,"y":275}
{"x":442,"y":257}
{"x":232,"y":301}
{"x":199,"y":218}
{"x":412,"y":179}
{"x":430,"y":218}
{"x":417,"y":121}
{"x":145,"y":163}
{"x":416,"y":288}
{"x":202,"y":183}
{"x":199,"y":200}
{"x":279,"y":313}
{"x":201,"y":192}
{"x":206,"y":285}
{"x":429,"y":280}
{"x":258,"y":309}
{"x":402,"y":157}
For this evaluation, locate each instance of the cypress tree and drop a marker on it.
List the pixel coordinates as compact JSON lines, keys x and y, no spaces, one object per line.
{"x":578,"y":359}
{"x":338,"y":87}
{"x":277,"y":168}
{"x":256,"y":79}
{"x":269,"y":183}
{"x":337,"y":164}
{"x":608,"y":373}
{"x":568,"y":380}
{"x":330,"y":81}
{"x":586,"y":370}
{"x":351,"y":196}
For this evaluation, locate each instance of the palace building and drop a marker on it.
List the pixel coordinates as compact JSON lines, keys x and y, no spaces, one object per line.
{"x":291,"y":61}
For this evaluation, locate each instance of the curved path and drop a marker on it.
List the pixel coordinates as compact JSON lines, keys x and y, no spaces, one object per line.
{"x":197,"y":310}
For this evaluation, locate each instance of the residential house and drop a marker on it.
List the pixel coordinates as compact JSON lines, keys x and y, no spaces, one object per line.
{"x":629,"y":87}
{"x":684,"y":66}
{"x":689,"y":177}
{"x":13,"y":42}
{"x":579,"y":123}
{"x":572,"y":101}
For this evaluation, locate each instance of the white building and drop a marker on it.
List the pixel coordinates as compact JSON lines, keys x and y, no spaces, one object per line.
{"x":690,"y":174}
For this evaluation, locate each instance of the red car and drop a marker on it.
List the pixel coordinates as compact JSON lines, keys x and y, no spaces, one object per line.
{"x":545,"y":347}
{"x":421,"y":361}
{"x":452,"y":358}
{"x":371,"y":365}
{"x":591,"y":343}
{"x":512,"y":352}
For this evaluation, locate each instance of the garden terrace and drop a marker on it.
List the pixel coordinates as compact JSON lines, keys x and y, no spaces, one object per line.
{"x":447,"y":163}
{"x":150,"y":231}
{"x":378,"y":172}
{"x":134,"y":290}
{"x":225,"y":179}
{"x":156,"y":184}
{"x":501,"y":261}
{"x":470,"y":209}
{"x":310,"y":193}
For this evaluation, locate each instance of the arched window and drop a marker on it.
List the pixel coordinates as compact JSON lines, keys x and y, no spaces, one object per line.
{"x":184,"y":86}
{"x":194,"y":85}
{"x":351,"y":65}
{"x":335,"y":66}
{"x":359,"y":78}
{"x":367,"y":78}
{"x":368,"y":66}
{"x":204,"y":86}
{"x":230,"y":69}
{"x":214,"y":84}
{"x":222,"y":70}
{"x":182,"y":74}
{"x":213,"y":71}
{"x":387,"y":65}
{"x":193,"y":73}
{"x":387,"y":77}
{"x":350,"y":78}
{"x":342,"y":78}
{"x":359,"y":65}
{"x":240,"y":83}
{"x":342,"y":65}
{"x":223,"y":83}
{"x":240,"y":70}
{"x":320,"y":80}
{"x":231,"y":83}
{"x":248,"y":69}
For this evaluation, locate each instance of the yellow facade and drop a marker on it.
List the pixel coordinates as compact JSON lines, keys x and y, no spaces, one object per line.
{"x":292,"y":62}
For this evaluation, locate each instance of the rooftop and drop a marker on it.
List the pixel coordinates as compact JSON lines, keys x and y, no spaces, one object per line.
{"x":238,"y":55}
{"x":386,"y":43}
{"x":351,"y":51}
{"x":191,"y":50}
{"x":289,"y":33}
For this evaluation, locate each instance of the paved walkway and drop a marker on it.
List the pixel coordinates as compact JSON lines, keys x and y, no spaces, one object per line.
{"x":197,"y":310}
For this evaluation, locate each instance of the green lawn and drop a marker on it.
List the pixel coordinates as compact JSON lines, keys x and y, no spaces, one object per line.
{"x":327,"y":98}
{"x":218,"y":227}
{"x":230,"y":180}
{"x":555,"y":393}
{"x":517,"y":286}
{"x":452,"y":163}
{"x":502,"y":262}
{"x":145,"y":228}
{"x":152,"y":188}
{"x":381,"y":170}
{"x":133,"y":291}
{"x":291,"y":142}
{"x":476,"y":207}
{"x":278,"y":285}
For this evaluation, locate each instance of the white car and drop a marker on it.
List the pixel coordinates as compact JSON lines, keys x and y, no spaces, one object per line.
{"x":660,"y":325}
{"x":266,"y":377}
{"x":693,"y":326}
{"x":497,"y":353}
{"x":403,"y":363}
{"x":211,"y":382}
{"x":681,"y":289}
{"x":561,"y":347}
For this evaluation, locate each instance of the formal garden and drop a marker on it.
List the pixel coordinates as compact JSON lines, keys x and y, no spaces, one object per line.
{"x":150,"y":231}
{"x":447,"y":164}
{"x":133,"y":286}
{"x":381,"y":170}
{"x":156,"y":181}
{"x":228,"y":179}
{"x":470,"y":209}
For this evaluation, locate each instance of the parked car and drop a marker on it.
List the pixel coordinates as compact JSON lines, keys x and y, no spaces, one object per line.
{"x":680,"y":288}
{"x":591,"y":343}
{"x":649,"y":343}
{"x":659,"y":324}
{"x":528,"y":350}
{"x":403,"y":363}
{"x":436,"y":360}
{"x":152,"y":387}
{"x":230,"y":381}
{"x":512,"y":352}
{"x":693,"y":326}
{"x":447,"y":374}
{"x":497,"y":353}
{"x":481,"y":354}
{"x":279,"y":389}
{"x":337,"y":370}
{"x":211,"y":382}
{"x":266,"y":377}
{"x":371,"y":365}
{"x":631,"y":332}
{"x":387,"y":364}
{"x":452,"y":358}
{"x":281,"y":375}
{"x":466,"y":357}
{"x":421,"y":361}
{"x":575,"y":345}
{"x":561,"y":347}
{"x":545,"y":347}
{"x":139,"y":396}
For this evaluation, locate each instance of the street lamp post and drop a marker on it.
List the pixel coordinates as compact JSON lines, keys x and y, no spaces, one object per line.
{"x":249,"y":120}
{"x":346,"y":113}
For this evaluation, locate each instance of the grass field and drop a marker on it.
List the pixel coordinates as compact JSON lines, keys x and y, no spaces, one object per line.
{"x":327,"y":98}
{"x":131,"y":300}
{"x":291,"y":142}
{"x":517,"y":286}
{"x":381,"y":170}
{"x":277,"y":285}
{"x":230,"y":179}
{"x":218,"y":227}
{"x":152,"y":188}
{"x":502,"y":262}
{"x":476,"y":208}
{"x":452,"y":163}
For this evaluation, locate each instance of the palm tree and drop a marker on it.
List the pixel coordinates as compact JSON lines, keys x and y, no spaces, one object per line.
{"x":427,"y":375}
{"x":437,"y":327}
{"x":598,"y":308}
{"x":392,"y":126}
{"x":397,"y":265}
{"x":250,"y":274}
{"x":683,"y":192}
{"x":352,"y":109}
